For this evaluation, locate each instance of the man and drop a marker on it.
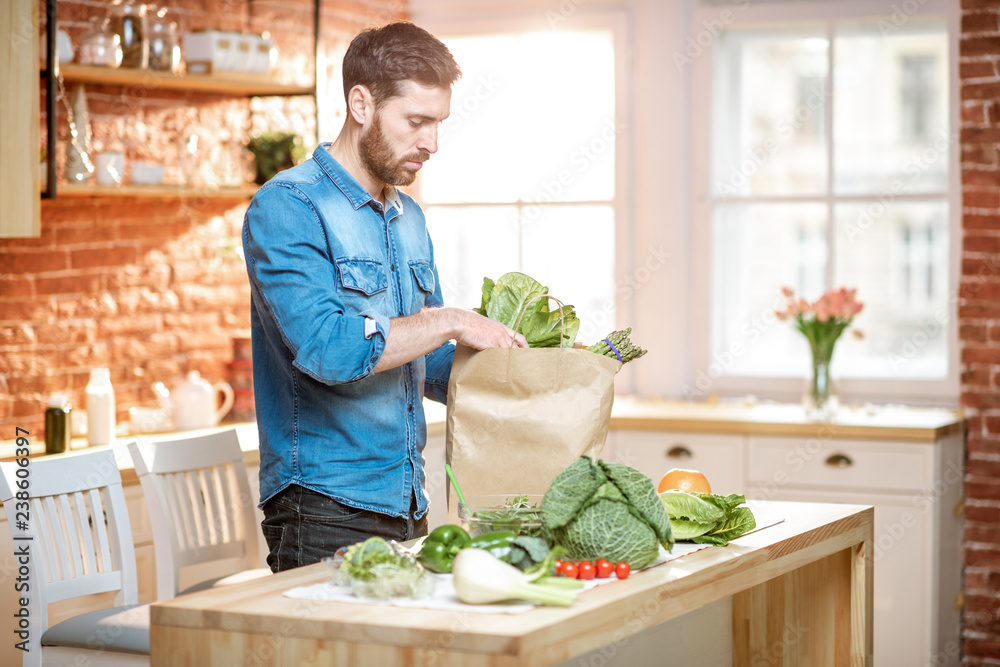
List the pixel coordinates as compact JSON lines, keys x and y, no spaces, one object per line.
{"x":349,"y":332}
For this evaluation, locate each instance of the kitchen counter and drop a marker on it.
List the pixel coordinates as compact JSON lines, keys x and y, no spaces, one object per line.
{"x":873,"y":422}
{"x":888,"y":422}
{"x":246,"y":432}
{"x":799,"y":592}
{"x":886,"y":456}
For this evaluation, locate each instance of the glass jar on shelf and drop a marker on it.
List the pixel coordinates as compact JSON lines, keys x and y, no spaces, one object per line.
{"x":164,"y":49}
{"x":128,"y":21}
{"x":99,"y":46}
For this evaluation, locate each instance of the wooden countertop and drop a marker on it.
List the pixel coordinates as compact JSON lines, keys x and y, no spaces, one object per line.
{"x":223,"y":624}
{"x":870,"y":422}
{"x":245,"y":431}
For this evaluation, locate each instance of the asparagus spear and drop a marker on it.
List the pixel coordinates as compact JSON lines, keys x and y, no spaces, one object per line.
{"x":621,"y":342}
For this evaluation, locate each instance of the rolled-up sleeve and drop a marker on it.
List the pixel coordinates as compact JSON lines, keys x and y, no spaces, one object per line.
{"x":438,"y":364}
{"x":294,"y":283}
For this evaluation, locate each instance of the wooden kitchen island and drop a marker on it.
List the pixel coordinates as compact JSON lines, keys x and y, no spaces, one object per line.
{"x":796,"y":593}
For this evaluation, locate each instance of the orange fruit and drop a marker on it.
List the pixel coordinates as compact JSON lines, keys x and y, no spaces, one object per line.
{"x":684,"y":480}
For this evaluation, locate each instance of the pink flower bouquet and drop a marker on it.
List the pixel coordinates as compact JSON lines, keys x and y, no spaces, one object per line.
{"x":821,"y":322}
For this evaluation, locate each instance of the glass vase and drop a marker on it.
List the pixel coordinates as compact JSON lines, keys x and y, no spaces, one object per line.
{"x":819,"y":397}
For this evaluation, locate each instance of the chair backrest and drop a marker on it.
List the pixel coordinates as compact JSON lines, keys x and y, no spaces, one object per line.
{"x":199,"y":504}
{"x":68,"y":518}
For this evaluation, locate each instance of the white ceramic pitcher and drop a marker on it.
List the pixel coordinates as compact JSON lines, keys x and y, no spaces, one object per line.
{"x":194,"y":403}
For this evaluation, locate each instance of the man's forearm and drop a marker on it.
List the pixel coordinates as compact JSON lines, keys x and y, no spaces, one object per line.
{"x":415,"y":335}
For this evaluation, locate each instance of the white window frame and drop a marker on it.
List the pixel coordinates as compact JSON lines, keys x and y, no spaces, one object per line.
{"x":445,"y":18}
{"x":763,"y":13}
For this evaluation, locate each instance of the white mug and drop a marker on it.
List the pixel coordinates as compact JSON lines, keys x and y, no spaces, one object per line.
{"x":110,"y":168}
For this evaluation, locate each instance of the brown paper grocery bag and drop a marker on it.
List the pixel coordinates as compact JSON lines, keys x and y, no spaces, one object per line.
{"x":517,"y":417}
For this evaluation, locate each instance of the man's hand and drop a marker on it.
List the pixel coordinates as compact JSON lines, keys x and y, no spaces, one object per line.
{"x":415,"y":335}
{"x":481,"y":332}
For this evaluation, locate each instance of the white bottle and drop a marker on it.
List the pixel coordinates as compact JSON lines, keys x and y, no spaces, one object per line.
{"x":100,"y":408}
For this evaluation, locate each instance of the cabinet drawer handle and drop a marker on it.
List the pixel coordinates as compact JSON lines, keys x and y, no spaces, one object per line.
{"x":679,"y":452}
{"x":839,"y":461}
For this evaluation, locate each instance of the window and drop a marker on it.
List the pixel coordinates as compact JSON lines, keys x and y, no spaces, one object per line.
{"x":917,"y":94}
{"x":829,"y":151}
{"x":506,"y":192}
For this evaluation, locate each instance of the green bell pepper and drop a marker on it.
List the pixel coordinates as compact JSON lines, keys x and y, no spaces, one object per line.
{"x":497,"y":542}
{"x":438,"y":551}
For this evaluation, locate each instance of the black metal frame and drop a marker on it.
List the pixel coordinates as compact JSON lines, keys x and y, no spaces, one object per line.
{"x":51,"y":74}
{"x":316,"y":31}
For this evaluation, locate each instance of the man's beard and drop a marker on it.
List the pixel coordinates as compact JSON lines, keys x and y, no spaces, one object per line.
{"x":379,"y":160}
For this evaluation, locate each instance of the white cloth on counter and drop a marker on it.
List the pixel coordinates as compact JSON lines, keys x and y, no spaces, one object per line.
{"x":444,"y":598}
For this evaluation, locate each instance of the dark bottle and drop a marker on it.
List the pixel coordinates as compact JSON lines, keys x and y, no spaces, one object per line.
{"x":57,"y":425}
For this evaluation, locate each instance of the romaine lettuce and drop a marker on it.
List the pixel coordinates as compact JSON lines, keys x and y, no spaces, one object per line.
{"x":515,"y":293}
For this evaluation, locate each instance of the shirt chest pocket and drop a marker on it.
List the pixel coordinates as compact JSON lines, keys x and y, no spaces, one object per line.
{"x":423,"y":282}
{"x":362,"y":277}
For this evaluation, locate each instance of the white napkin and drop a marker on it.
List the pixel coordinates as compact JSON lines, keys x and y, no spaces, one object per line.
{"x":444,"y":597}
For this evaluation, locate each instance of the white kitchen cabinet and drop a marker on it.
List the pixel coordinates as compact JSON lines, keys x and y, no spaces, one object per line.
{"x":903,"y":561}
{"x":718,"y":456}
{"x":914,"y":481}
{"x":916,"y":488}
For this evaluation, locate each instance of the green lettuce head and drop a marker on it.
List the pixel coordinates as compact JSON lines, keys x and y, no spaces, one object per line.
{"x":606,"y":510}
{"x":514,"y":293}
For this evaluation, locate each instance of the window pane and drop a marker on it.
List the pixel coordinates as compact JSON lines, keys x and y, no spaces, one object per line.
{"x":891,"y":108}
{"x":756,"y":250}
{"x":499,"y":144}
{"x":571,"y":250}
{"x":476,"y":161}
{"x":897,"y":257}
{"x":471,"y":242}
{"x":769,"y":108}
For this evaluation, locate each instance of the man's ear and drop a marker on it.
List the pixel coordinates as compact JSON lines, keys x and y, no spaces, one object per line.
{"x":360,"y":104}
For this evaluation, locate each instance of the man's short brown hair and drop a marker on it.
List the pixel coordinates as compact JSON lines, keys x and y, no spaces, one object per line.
{"x":379,"y":58}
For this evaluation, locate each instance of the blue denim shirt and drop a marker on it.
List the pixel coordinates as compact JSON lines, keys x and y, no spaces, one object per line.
{"x":329,"y":267}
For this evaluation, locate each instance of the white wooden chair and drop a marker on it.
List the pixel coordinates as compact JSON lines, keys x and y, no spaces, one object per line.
{"x":67,"y":516}
{"x":200,"y":507}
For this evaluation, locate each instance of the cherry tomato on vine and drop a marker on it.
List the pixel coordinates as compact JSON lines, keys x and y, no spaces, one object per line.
{"x":569,"y":569}
{"x":559,"y":564}
{"x":604,"y":568}
{"x":622,"y":570}
{"x":585,"y":570}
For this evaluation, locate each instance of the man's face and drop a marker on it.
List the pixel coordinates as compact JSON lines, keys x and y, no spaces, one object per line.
{"x":403,"y":133}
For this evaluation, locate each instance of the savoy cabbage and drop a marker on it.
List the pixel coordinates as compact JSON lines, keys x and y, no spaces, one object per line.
{"x":606,"y":510}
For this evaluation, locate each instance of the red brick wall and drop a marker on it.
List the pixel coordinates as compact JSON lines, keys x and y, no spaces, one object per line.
{"x":979,"y":318}
{"x":152,"y":287}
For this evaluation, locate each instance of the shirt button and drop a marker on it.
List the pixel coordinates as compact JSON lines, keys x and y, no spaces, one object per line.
{"x":409,"y":408}
{"x":392,"y":267}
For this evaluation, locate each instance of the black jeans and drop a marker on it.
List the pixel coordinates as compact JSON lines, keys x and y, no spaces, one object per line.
{"x":302,"y":526}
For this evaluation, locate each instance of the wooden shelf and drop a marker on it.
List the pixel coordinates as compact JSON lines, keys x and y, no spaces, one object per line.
{"x":222,"y":83}
{"x":183,"y":191}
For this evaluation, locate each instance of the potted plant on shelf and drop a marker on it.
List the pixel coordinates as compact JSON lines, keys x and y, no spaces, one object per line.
{"x":274,"y":152}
